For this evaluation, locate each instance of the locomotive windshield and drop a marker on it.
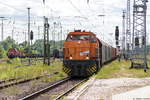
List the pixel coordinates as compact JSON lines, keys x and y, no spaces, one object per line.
{"x":79,"y":37}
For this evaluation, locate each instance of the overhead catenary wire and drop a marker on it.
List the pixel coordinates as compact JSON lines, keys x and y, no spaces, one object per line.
{"x":11,"y":7}
{"x":17,"y":9}
{"x":75,"y":7}
{"x":82,"y":15}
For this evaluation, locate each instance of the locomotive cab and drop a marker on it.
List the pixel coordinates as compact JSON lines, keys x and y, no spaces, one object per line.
{"x":81,"y":54}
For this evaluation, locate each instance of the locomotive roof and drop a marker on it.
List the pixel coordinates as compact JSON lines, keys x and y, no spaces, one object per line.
{"x":89,"y":33}
{"x":81,"y":33}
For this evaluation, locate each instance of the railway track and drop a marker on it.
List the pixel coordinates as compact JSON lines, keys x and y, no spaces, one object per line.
{"x":14,"y":81}
{"x":69,"y":90}
{"x":8,"y":80}
{"x":65,"y":85}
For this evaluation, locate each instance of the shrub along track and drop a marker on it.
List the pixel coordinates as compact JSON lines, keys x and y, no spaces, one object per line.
{"x":55,"y":90}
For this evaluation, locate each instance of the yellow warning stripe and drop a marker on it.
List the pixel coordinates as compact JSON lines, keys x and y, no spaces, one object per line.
{"x":66,"y":70}
{"x":91,"y":70}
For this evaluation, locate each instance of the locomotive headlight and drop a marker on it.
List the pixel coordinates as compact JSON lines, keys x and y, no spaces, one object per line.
{"x":70,"y":57}
{"x":87,"y":57}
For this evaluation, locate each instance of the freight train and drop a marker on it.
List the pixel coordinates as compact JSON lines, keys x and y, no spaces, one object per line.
{"x":84,"y":54}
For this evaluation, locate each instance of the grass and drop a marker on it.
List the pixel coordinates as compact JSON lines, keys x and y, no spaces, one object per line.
{"x":121,"y":69}
{"x":8,"y":69}
{"x":114,"y":69}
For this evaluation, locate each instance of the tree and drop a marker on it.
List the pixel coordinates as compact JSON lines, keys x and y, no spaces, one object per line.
{"x":8,"y":43}
{"x":39,"y":46}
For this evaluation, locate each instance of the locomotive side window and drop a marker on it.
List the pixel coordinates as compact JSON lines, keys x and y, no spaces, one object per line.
{"x":79,"y":37}
{"x":93,"y":40}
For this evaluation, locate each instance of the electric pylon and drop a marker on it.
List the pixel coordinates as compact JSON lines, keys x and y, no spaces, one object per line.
{"x":139,"y":51}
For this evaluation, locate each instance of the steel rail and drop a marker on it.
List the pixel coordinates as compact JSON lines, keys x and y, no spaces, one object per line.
{"x":37,"y":93}
{"x":8,"y":80}
{"x":24,"y":81}
{"x":69,"y":90}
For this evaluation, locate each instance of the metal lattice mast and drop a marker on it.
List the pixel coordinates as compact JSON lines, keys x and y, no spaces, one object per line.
{"x":139,"y":34}
{"x":123,"y":33}
{"x":46,"y":42}
{"x":128,"y":29}
{"x":2,"y":28}
{"x":29,"y":26}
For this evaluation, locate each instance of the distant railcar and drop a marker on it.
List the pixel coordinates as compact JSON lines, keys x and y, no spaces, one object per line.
{"x":61,"y":54}
{"x":84,"y":54}
{"x":57,"y":53}
{"x":13,"y":52}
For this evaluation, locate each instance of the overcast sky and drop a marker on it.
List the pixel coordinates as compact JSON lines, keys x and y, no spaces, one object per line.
{"x":72,"y":14}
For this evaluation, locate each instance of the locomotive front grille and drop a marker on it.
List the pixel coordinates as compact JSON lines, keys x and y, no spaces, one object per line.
{"x":80,"y":67}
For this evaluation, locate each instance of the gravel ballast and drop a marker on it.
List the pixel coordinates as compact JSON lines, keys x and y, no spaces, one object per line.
{"x":104,"y":89}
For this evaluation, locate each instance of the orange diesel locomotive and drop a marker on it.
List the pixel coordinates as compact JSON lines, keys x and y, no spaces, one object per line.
{"x":84,"y":54}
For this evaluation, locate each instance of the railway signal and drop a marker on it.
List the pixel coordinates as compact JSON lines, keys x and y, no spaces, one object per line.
{"x":117,"y":32}
{"x":117,"y":35}
{"x":31,"y":35}
{"x":31,"y":38}
{"x":137,"y":41}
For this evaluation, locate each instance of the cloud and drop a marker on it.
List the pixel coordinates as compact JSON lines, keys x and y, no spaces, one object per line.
{"x":73,"y":14}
